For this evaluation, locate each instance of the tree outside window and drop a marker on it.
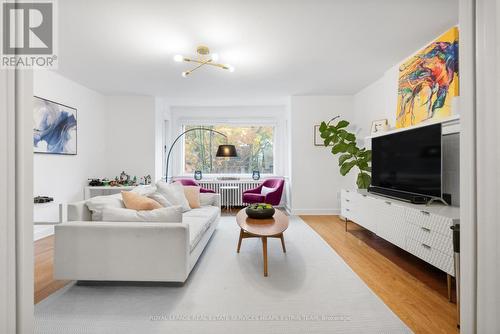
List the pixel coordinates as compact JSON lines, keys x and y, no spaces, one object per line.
{"x":253,"y":143}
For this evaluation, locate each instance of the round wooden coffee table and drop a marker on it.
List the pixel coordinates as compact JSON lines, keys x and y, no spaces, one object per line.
{"x":262,"y":228}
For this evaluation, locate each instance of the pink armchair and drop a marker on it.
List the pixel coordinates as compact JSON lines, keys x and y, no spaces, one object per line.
{"x":191,"y":182}
{"x":274,"y":197}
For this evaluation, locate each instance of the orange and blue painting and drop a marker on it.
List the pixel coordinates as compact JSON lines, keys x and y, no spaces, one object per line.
{"x":428,"y":81}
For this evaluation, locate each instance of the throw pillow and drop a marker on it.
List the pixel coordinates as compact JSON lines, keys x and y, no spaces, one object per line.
{"x":171,"y":214}
{"x":98,"y":203}
{"x":266,"y":190}
{"x":174,"y":193}
{"x":144,"y":190}
{"x":192,"y":194}
{"x":160,"y":199}
{"x":138,"y":202}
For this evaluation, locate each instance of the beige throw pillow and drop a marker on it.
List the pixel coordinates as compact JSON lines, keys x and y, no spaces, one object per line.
{"x":192,"y":194}
{"x":137,"y":202}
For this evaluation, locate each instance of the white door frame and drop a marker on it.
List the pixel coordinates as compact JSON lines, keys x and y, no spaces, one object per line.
{"x":487,"y":165}
{"x":16,"y":201}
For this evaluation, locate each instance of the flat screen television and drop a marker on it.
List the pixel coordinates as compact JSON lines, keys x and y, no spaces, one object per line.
{"x":408,"y":164}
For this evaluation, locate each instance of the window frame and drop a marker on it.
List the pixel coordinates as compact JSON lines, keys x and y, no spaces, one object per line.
{"x":236,"y":123}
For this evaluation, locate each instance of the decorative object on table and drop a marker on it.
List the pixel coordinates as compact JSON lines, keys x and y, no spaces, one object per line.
{"x":147,"y":179}
{"x":204,"y":58}
{"x":379,"y":126}
{"x":124,"y":177}
{"x":344,"y":142}
{"x":54,"y":127}
{"x":95,"y":182}
{"x":224,"y":151}
{"x":198,"y":175}
{"x":260,"y":211}
{"x":318,"y":141}
{"x":428,"y":81}
{"x":42,"y":199}
{"x":255,"y":175}
{"x":270,"y":196}
{"x":190,"y":182}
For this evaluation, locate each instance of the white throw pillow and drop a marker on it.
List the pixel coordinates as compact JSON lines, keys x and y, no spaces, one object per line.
{"x":207,"y":199}
{"x":99,"y":203}
{"x":266,"y":190}
{"x":171,"y":214}
{"x":144,"y":190}
{"x":160,"y":199}
{"x":174,"y":193}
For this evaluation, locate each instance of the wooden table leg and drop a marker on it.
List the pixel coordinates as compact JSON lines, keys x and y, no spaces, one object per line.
{"x":264,"y":250}
{"x":239,"y":241}
{"x":283,"y":242}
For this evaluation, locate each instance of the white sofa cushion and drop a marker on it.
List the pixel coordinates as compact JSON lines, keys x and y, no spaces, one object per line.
{"x":174,"y":193}
{"x":99,"y":203}
{"x":199,"y":221}
{"x":160,"y":199}
{"x":144,"y":190}
{"x":171,"y":214}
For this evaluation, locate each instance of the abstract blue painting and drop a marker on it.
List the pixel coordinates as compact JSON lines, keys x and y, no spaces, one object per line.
{"x":54,"y":128}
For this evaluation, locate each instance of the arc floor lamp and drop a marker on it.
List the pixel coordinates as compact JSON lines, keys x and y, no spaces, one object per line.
{"x":223,"y":151}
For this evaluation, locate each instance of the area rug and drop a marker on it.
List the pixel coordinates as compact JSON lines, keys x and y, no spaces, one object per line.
{"x":310,"y":289}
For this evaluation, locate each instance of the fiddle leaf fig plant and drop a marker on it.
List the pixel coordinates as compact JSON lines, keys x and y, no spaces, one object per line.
{"x":343,"y":142}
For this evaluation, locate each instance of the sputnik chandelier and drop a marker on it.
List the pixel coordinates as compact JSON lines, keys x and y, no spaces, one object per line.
{"x":204,"y":58}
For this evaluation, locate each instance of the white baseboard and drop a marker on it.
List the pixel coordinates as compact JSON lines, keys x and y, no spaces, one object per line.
{"x":40,"y":232}
{"x":315,"y":212}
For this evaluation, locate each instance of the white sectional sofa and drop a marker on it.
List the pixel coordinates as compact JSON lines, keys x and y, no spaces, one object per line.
{"x":132,"y":251}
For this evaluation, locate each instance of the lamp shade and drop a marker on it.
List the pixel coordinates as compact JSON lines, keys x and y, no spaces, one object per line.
{"x":226,"y":151}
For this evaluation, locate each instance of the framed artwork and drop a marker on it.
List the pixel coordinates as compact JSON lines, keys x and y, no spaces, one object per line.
{"x":54,"y":127}
{"x":428,"y":81}
{"x":318,"y":141}
{"x":380,"y":125}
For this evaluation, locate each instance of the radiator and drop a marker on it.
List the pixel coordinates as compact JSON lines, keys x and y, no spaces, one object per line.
{"x":233,"y":197}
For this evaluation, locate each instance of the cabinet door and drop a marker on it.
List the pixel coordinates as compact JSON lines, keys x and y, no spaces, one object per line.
{"x":390,"y":220}
{"x":365,"y":206}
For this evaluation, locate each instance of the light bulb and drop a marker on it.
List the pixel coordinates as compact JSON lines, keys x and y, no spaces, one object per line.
{"x":185,"y":74}
{"x":178,"y":58}
{"x":214,"y":57}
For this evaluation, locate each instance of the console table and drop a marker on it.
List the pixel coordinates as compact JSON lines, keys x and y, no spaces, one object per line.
{"x":422,"y":230}
{"x":91,"y":191}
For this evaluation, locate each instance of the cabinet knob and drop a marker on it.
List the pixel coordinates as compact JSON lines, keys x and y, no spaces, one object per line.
{"x":425,"y":229}
{"x":347,"y":200}
{"x":347,"y":210}
{"x":364,"y":195}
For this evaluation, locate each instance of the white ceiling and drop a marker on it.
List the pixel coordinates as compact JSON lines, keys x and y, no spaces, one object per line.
{"x":278,"y":48}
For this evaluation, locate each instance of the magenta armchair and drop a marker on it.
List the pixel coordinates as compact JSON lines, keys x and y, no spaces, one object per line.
{"x":190,"y":182}
{"x":274,"y":197}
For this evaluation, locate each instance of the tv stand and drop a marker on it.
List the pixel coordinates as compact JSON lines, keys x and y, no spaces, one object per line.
{"x":422,"y":230}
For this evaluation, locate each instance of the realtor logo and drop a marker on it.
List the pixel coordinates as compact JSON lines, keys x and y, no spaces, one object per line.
{"x":28,"y":34}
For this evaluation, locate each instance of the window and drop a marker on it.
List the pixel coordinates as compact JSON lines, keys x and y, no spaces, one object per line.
{"x":253,"y":143}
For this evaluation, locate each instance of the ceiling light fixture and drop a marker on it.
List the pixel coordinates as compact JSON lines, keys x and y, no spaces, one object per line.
{"x":204,"y":58}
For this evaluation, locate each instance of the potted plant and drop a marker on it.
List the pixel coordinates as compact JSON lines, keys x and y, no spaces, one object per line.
{"x":344,"y":143}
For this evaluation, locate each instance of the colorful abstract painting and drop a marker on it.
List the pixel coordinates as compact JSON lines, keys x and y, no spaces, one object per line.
{"x":428,"y":81}
{"x":54,"y":127}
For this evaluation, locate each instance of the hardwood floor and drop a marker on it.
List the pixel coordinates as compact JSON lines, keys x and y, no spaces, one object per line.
{"x":414,"y":290}
{"x":44,"y":269}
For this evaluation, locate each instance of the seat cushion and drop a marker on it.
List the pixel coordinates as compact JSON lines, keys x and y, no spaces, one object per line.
{"x":199,"y":221}
{"x":253,"y":198}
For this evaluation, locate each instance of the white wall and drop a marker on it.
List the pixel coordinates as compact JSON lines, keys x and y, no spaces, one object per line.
{"x":64,"y":176}
{"x":130,"y":135}
{"x":315,"y":177}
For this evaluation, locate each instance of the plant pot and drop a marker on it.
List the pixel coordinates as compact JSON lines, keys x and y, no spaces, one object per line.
{"x":256,"y":212}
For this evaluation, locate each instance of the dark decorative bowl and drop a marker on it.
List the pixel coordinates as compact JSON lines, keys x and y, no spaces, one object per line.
{"x":260,"y":211}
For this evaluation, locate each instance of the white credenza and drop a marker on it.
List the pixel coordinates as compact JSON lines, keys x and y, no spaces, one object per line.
{"x":421,"y":230}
